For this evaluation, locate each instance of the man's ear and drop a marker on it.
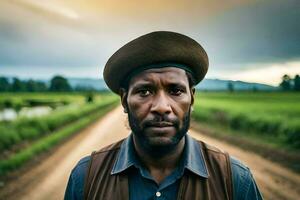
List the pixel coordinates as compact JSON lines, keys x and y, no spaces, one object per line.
{"x":192,"y":95}
{"x":123,"y":95}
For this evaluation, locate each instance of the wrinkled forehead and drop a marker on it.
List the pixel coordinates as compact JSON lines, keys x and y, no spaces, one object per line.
{"x":166,"y":75}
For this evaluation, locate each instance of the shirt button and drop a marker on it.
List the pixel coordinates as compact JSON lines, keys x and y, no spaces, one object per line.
{"x":158,"y":194}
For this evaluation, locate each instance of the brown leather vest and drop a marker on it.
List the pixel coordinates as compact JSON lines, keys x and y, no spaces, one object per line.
{"x":101,"y":185}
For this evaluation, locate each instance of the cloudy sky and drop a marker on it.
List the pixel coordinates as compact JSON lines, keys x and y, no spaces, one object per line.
{"x":249,"y":40}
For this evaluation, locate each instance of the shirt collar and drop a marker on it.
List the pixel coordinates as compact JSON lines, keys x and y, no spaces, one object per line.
{"x":193,"y":157}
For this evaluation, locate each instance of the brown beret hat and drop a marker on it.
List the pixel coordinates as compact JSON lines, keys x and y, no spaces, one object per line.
{"x":152,"y":49}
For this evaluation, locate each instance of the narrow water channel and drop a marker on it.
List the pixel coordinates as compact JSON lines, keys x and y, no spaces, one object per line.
{"x":9,"y":114}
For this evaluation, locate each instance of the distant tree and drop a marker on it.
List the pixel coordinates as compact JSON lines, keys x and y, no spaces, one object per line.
{"x":254,"y":89}
{"x":297,"y":83}
{"x":286,"y":83}
{"x":60,"y":84}
{"x":31,"y":86}
{"x":41,"y":86}
{"x":4,"y":84}
{"x":230,"y":86}
{"x":35,"y":86}
{"x":18,"y":85}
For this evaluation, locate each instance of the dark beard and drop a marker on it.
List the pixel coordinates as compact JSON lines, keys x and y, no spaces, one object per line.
{"x":158,"y":150}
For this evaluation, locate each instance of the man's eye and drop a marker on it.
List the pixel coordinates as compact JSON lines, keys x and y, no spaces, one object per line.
{"x":144,"y":93}
{"x":176,"y":91}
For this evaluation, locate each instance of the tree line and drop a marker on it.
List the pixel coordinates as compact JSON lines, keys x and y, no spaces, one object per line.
{"x":57,"y":84}
{"x":61,"y":84}
{"x":290,"y":84}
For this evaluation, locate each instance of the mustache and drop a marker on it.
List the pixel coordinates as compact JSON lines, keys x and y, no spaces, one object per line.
{"x":160,"y":122}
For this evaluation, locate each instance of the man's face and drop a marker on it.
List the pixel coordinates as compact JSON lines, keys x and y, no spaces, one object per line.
{"x":158,"y":103}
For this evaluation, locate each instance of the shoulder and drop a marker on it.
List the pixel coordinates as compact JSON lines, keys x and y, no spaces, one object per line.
{"x":214,"y":150}
{"x":240,"y":174}
{"x":78,"y":175}
{"x":238,"y":167}
{"x":244,"y":185}
{"x":110,"y":148}
{"x":205,"y":147}
{"x":81,"y":167}
{"x":79,"y":171}
{"x":76,"y":180}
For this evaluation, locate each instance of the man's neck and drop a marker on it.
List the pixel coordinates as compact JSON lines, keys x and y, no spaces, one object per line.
{"x":160,"y":167}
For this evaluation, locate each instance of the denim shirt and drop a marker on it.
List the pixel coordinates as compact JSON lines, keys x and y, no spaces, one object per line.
{"x":143,"y":186}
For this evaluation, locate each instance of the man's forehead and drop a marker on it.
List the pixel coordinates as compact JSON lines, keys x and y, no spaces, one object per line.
{"x":166,"y":74}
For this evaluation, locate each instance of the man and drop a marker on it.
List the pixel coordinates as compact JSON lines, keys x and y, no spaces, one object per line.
{"x":155,"y":76}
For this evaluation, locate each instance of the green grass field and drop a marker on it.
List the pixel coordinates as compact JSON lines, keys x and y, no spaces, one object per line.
{"x":24,"y":138}
{"x":271,"y":116}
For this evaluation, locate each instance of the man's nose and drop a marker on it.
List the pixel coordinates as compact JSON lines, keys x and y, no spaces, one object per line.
{"x":161,"y":104}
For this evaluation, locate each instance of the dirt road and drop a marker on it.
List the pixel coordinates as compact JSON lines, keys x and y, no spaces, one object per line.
{"x":48,"y":180}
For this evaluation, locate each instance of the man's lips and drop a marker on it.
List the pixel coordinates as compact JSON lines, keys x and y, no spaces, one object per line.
{"x":159,"y":128}
{"x":160,"y":124}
